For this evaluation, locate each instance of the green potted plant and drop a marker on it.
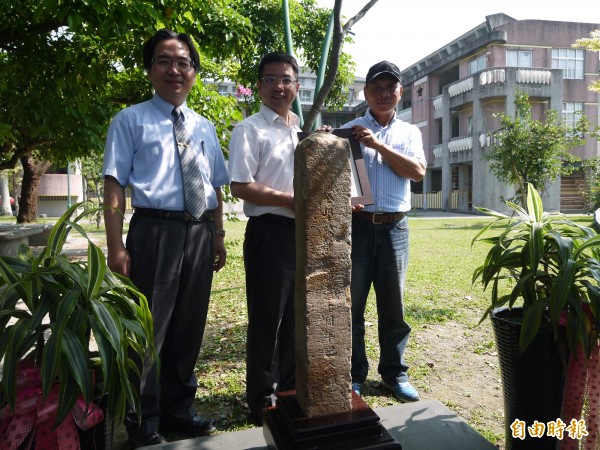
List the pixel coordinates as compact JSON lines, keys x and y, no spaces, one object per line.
{"x":543,"y":271}
{"x":68,"y":332}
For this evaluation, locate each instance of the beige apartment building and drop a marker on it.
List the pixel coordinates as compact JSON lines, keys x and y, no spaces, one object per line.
{"x":453,"y":94}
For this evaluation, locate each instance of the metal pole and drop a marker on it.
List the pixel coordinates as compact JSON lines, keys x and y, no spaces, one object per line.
{"x":68,"y":185}
{"x":323,"y":65}
{"x":290,"y":51}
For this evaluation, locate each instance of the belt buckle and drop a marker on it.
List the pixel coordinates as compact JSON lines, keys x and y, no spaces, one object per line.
{"x":374,"y":221}
{"x":188,"y":218}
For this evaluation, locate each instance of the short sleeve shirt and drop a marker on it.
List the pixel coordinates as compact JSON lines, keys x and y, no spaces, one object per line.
{"x":141,"y":152}
{"x":390,"y":191}
{"x":261,"y":150}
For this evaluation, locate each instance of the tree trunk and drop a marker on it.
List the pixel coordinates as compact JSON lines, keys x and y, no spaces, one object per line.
{"x":32,"y":173}
{"x":5,"y":209}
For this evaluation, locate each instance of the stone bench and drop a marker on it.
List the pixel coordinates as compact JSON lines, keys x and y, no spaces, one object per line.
{"x":13,"y":235}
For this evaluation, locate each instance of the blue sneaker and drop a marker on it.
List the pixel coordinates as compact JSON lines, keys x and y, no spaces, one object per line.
{"x":404,"y":392}
{"x":356,"y":388}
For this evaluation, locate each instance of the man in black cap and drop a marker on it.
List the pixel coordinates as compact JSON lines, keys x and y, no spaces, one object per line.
{"x":393,"y":155}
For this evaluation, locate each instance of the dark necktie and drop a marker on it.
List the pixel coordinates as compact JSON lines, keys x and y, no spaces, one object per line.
{"x":193,"y":186}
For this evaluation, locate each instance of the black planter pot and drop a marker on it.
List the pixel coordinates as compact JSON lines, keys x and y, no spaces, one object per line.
{"x":99,"y":437}
{"x":96,"y":438}
{"x":532,"y":383}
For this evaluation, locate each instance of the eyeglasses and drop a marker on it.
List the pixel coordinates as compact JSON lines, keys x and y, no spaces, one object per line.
{"x":271,"y":80}
{"x":165,"y":63}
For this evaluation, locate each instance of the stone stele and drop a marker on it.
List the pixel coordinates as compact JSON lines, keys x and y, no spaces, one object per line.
{"x":322,"y":190}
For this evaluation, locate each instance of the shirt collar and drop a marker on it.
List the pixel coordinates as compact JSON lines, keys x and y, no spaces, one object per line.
{"x":271,"y":116}
{"x":374,"y":120}
{"x":165,"y":107}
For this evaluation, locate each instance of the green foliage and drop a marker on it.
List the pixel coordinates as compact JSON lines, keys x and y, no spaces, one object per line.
{"x":526,"y":150}
{"x":592,"y":44}
{"x":67,"y":67}
{"x":552,"y":266}
{"x":593,"y":166}
{"x":221,"y":110}
{"x":81,"y":301}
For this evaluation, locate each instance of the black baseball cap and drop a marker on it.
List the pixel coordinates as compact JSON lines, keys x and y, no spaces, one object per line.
{"x":381,"y":68}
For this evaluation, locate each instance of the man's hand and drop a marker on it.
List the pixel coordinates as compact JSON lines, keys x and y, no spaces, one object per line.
{"x":365,"y":136}
{"x":326,"y":128}
{"x":220,"y":253}
{"x":119,"y":260}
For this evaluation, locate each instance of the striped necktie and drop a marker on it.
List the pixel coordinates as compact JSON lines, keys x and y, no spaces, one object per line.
{"x":193,"y":185}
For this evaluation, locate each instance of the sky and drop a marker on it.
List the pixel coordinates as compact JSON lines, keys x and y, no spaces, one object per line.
{"x":405,"y":32}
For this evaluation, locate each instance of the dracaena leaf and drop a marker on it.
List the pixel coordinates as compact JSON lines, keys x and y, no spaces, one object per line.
{"x":76,"y":357}
{"x":96,"y":269}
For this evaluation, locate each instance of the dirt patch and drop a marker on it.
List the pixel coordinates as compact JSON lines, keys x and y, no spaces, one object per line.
{"x":460,"y":369}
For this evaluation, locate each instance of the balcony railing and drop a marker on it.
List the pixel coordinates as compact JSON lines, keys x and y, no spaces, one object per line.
{"x":460,"y":144}
{"x":438,"y":102}
{"x":523,"y":76}
{"x":461,"y":87}
{"x":492,"y":76}
{"x":405,"y":115}
{"x":534,"y":76}
{"x":437,"y":151}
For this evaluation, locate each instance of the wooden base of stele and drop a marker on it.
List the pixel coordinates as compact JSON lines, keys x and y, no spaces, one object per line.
{"x":285,"y":427}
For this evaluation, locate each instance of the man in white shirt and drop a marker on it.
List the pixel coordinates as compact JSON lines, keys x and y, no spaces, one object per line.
{"x":261,"y":165}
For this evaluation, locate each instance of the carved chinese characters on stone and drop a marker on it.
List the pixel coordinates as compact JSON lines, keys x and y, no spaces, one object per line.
{"x":322,"y":186}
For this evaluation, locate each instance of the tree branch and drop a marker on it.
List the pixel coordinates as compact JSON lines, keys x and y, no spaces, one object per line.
{"x":8,"y":36}
{"x":358,"y":15}
{"x":339,"y":33}
{"x":20,"y":152}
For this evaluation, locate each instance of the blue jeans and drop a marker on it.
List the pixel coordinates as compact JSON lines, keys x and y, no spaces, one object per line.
{"x":380,"y":258}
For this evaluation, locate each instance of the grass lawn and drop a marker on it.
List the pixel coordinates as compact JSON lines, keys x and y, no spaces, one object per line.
{"x":438,"y":290}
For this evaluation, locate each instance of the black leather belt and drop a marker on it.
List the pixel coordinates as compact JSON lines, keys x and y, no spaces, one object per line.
{"x":275,"y":218}
{"x":380,"y":218}
{"x":207,"y":216}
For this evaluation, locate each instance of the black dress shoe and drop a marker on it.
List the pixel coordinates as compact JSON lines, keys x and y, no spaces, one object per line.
{"x":144,"y":441}
{"x":196,"y":426}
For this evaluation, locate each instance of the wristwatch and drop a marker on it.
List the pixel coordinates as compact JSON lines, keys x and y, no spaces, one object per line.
{"x":220,"y":232}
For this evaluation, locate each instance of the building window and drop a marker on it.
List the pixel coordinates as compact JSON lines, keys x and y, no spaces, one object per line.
{"x":334,"y":120}
{"x":571,"y":113}
{"x":305,"y":95}
{"x":223,"y":89}
{"x":470,"y":125}
{"x":307,"y":82}
{"x":570,"y":60}
{"x":518,"y":58}
{"x":477,"y":64}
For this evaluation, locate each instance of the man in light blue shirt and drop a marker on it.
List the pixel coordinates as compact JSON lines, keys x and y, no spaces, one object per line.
{"x":393,"y":155}
{"x":170,"y":253}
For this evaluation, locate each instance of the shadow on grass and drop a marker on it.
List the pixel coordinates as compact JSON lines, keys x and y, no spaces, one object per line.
{"x":453,"y":226}
{"x":228,"y":289}
{"x":229,"y":411}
